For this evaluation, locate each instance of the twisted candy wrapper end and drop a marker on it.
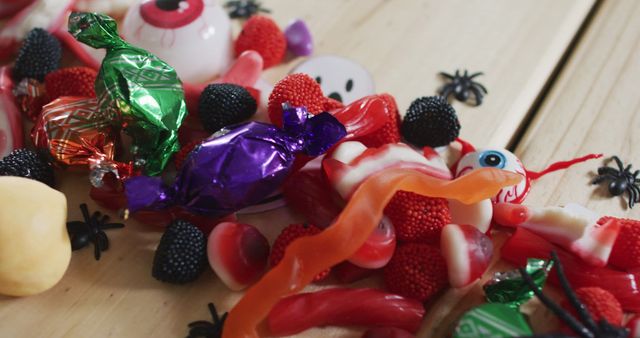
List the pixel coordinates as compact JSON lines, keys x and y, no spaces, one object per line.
{"x":239,"y":166}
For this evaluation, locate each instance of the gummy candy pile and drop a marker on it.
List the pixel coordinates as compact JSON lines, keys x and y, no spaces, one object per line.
{"x":185,"y":143}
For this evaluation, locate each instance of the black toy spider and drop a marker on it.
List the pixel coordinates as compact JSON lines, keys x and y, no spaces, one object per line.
{"x":244,"y":8}
{"x":205,"y":329}
{"x":621,"y":180}
{"x":461,"y":85}
{"x":586,"y":327}
{"x":91,"y":230}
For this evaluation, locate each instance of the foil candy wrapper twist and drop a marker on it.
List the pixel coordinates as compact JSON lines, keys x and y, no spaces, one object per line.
{"x":239,"y":166}
{"x":144,"y":91}
{"x":509,"y":287}
{"x":74,"y":132}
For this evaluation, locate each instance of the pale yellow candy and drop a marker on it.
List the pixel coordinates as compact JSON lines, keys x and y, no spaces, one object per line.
{"x":34,"y":245}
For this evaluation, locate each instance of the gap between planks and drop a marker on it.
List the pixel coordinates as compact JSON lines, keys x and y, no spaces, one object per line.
{"x":555,"y":74}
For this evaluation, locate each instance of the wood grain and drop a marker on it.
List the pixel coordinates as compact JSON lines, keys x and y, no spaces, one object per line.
{"x":592,"y":107}
{"x":404,"y":44}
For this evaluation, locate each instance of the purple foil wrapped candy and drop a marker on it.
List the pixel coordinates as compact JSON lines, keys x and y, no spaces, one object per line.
{"x":239,"y":166}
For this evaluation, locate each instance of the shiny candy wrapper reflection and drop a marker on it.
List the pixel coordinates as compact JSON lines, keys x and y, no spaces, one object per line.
{"x":141,"y":88}
{"x":509,"y":287}
{"x":492,"y":320}
{"x":239,"y":166}
{"x":74,"y":132}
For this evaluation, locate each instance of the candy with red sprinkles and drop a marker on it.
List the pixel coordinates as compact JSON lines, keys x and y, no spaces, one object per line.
{"x":418,"y":218}
{"x":73,"y":81}
{"x":296,"y":90}
{"x":263,"y":35}
{"x":416,"y":270}
{"x":288,"y":235}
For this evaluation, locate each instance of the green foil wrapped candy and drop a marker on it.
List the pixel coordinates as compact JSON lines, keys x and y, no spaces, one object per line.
{"x":144,"y":90}
{"x":510,"y":289}
{"x":492,"y":321}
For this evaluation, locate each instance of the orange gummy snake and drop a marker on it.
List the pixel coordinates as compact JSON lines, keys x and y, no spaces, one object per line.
{"x":307,"y":256}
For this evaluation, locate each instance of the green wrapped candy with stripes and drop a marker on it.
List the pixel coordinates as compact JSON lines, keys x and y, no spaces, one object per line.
{"x":137,"y":89}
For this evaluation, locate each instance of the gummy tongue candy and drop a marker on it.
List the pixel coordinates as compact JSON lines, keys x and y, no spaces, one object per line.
{"x":238,"y":167}
{"x":144,"y":90}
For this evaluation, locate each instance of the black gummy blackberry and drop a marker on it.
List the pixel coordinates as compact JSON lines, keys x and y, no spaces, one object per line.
{"x":181,"y":255}
{"x":430,"y":121}
{"x":27,"y":163}
{"x":224,"y":104}
{"x":39,"y":55}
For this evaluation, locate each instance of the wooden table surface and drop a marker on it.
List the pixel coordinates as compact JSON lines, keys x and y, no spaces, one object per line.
{"x":549,"y":99}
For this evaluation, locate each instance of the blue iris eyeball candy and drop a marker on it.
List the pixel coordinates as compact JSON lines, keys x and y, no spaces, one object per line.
{"x":499,"y":159}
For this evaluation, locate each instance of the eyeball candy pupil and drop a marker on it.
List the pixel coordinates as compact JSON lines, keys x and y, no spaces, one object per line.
{"x":492,"y":159}
{"x":318,"y":80}
{"x":168,"y":5}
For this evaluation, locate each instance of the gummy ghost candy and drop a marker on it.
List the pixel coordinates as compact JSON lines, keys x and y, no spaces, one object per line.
{"x":341,"y":79}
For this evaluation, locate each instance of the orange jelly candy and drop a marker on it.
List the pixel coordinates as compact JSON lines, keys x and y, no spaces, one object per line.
{"x":307,"y":256}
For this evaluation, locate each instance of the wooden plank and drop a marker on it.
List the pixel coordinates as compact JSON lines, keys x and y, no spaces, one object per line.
{"x":404,"y":44}
{"x":593,"y":107}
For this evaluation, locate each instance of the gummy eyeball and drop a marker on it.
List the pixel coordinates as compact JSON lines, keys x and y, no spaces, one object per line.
{"x":341,"y":79}
{"x":193,"y":36}
{"x":500,"y":159}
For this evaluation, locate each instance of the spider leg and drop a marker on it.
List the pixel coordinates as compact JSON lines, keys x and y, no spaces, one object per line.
{"x":636,"y":191}
{"x":75,"y":227}
{"x":573,"y":323}
{"x":446,"y":91}
{"x":457,"y":73}
{"x":608,"y":170}
{"x":111,"y":226}
{"x":598,"y":179}
{"x":633,"y":197}
{"x":466,"y":74}
{"x":103,"y":240}
{"x":477,"y":84}
{"x":214,"y":312}
{"x":475,"y":75}
{"x":635,"y":174}
{"x":573,"y":299}
{"x":96,"y":251}
{"x":477,"y":94}
{"x":618,"y":162}
{"x":85,"y":212}
{"x":448,"y":76}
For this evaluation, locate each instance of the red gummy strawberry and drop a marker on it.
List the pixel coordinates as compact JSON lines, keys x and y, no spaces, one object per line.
{"x":73,"y":81}
{"x":600,"y":303}
{"x":297,"y":90}
{"x":626,"y":249}
{"x":416,"y":270}
{"x":288,"y":235}
{"x":390,"y":132}
{"x":181,"y":155}
{"x":418,"y":218}
{"x":262,"y":35}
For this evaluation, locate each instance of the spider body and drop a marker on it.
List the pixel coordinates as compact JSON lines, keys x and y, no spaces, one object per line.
{"x":584,"y":326}
{"x":91,"y":230}
{"x":205,"y":329}
{"x":620,"y":180}
{"x":462,"y":86}
{"x":244,"y":8}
